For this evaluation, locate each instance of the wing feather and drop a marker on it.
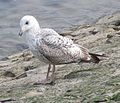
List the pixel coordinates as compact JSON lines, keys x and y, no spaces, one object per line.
{"x":58,"y":49}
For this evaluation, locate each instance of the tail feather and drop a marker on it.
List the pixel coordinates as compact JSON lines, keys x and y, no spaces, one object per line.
{"x":90,"y":57}
{"x":95,"y":57}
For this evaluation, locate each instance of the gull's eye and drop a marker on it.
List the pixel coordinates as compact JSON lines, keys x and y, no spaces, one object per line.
{"x":27,"y":23}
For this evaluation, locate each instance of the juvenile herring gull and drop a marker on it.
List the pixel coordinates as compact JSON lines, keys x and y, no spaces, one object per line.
{"x":50,"y":47}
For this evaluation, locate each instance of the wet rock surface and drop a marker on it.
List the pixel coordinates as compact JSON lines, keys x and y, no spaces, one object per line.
{"x":75,"y":83}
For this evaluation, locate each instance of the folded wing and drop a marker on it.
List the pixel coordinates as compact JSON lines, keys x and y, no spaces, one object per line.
{"x":60,"y":50}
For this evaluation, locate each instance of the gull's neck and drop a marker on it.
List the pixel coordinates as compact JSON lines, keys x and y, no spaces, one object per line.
{"x":31,"y":35}
{"x":33,"y":32}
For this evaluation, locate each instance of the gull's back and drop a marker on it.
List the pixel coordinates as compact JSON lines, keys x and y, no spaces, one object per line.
{"x":56,"y":49}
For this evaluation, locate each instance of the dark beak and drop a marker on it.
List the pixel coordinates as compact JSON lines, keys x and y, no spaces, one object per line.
{"x":20,"y":33}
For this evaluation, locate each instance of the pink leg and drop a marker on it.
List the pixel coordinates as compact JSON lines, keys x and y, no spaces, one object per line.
{"x":53,"y":73}
{"x":48,"y":80}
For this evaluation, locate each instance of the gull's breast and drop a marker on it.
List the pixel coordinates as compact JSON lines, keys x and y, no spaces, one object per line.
{"x":38,"y":55}
{"x":34,"y":49}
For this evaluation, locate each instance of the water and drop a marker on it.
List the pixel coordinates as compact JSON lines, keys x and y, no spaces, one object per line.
{"x":57,"y":14}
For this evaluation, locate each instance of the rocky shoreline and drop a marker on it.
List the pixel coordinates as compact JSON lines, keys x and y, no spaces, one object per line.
{"x":75,"y":83}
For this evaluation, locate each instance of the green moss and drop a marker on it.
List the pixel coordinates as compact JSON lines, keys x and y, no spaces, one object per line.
{"x":34,"y":100}
{"x":116,"y":97}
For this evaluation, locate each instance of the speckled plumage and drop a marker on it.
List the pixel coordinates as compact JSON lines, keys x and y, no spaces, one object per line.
{"x":50,"y":47}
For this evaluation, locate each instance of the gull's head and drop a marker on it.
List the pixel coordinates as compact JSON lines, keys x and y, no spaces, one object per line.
{"x":28,"y":23}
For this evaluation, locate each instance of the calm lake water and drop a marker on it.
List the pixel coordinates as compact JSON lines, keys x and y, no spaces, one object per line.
{"x":57,"y":14}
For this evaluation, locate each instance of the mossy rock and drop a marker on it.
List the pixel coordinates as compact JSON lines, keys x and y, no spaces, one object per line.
{"x":116,"y":97}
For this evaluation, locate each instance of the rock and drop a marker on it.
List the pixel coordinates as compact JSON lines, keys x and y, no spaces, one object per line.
{"x":6,"y":100}
{"x":75,"y":83}
{"x":32,"y":94}
{"x":21,"y":76}
{"x":116,"y":97}
{"x":112,"y":19}
{"x":108,"y":41}
{"x":9,"y":74}
{"x":109,"y":36}
{"x":29,"y":68}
